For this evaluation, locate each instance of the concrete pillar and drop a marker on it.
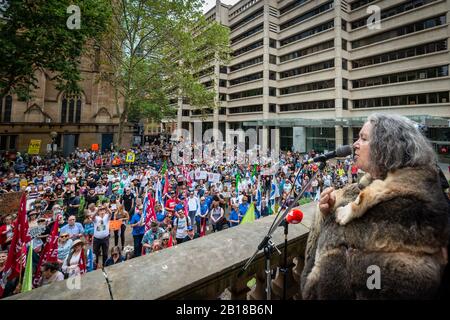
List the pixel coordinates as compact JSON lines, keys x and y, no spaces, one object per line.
{"x":338,"y":58}
{"x":276,"y":140}
{"x":266,"y":71}
{"x":350,"y":135}
{"x":339,"y":134}
{"x":191,"y":131}
{"x":299,"y":138}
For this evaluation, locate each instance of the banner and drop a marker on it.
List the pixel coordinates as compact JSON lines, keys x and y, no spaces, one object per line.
{"x":214,"y":177}
{"x":34,"y":147}
{"x":201,"y":175}
{"x":94,"y":147}
{"x":130,"y":157}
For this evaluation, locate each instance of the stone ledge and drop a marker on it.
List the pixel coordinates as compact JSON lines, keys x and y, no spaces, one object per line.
{"x":199,"y":269}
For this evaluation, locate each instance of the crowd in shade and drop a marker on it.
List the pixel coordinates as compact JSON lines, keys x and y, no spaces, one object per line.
{"x":70,"y":207}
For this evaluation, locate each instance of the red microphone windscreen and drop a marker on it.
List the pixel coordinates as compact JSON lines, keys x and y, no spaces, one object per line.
{"x":294,"y":216}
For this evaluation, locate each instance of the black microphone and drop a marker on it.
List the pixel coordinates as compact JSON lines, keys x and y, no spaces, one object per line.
{"x":342,"y":151}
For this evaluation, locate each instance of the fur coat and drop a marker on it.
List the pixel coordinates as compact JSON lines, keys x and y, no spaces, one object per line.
{"x":402,"y":235}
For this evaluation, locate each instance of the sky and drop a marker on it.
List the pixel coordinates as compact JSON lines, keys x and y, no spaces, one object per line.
{"x":211,"y":3}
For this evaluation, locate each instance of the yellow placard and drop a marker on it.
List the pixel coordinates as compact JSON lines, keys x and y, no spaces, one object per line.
{"x":34,"y":147}
{"x":130,"y":157}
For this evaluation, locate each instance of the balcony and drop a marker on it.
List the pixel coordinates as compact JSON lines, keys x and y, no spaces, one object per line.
{"x":205,"y":268}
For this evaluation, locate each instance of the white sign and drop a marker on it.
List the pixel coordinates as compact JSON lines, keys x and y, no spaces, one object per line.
{"x":214,"y":177}
{"x":201,"y":175}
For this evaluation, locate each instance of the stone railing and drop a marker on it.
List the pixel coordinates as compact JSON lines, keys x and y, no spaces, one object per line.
{"x":205,"y":268}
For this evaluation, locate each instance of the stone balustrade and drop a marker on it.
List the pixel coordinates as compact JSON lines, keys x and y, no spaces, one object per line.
{"x":205,"y":268}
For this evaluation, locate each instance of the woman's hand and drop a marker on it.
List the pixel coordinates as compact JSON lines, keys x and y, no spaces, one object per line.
{"x":327,"y":201}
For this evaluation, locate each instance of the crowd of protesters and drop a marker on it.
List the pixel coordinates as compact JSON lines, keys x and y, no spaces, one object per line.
{"x":92,"y":196}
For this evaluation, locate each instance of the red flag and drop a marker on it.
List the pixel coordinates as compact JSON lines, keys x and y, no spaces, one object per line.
{"x":170,"y":242}
{"x":166,"y":184}
{"x":17,"y":252}
{"x":150,"y":214}
{"x":202,"y":227}
{"x":82,"y":262}
{"x":50,"y":251}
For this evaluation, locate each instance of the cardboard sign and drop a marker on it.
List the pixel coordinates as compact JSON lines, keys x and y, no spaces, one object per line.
{"x":201,"y":175}
{"x":115,"y":225}
{"x":9,"y":203}
{"x":214,"y":177}
{"x":130,"y":157}
{"x":94,"y":147}
{"x":34,"y":147}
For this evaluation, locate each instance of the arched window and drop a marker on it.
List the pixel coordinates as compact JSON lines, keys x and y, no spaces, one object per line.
{"x":5,"y":108}
{"x":71,"y":109}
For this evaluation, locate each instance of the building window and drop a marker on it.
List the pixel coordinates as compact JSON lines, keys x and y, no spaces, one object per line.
{"x":223,"y":69}
{"x":245,"y":94}
{"x":344,"y":64}
{"x":345,"y":104}
{"x":310,"y":50}
{"x":8,"y":142}
{"x":292,"y":5}
{"x":272,"y":59}
{"x":6,"y":108}
{"x":344,"y":44}
{"x":246,"y":63}
{"x":249,"y":18}
{"x":272,"y":108}
{"x":71,"y":110}
{"x":250,"y":47}
{"x":222,"y":83}
{"x":185,"y":113}
{"x":320,"y":85}
{"x":427,"y":48}
{"x":307,"y":15}
{"x":390,"y":34}
{"x":343,"y":25}
{"x":272,"y":75}
{"x":326,"y":26}
{"x":307,"y":69}
{"x":344,"y":84}
{"x":273,"y":43}
{"x":429,"y":73}
{"x":412,"y":99}
{"x":272,"y":92}
{"x":250,"y":77}
{"x":310,"y":105}
{"x":247,"y":34}
{"x":245,"y":109}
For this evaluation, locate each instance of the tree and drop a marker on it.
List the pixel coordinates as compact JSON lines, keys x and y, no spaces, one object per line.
{"x":34,"y":36}
{"x":155,"y":50}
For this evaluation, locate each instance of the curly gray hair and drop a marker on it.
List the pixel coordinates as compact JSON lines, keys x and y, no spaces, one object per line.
{"x":397,"y":142}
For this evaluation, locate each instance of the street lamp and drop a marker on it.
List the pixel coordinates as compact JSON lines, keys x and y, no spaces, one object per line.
{"x":53,"y":135}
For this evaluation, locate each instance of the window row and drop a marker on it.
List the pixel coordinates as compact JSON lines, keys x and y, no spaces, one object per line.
{"x":248,"y":33}
{"x":246,"y":63}
{"x":428,"y":73}
{"x":307,"y":33}
{"x":247,"y":93}
{"x":291,"y":6}
{"x":307,"y":15}
{"x":411,"y":28}
{"x":71,"y":110}
{"x":360,"y":3}
{"x":253,"y":16}
{"x":313,"y":86}
{"x":250,"y":77}
{"x":252,"y":46}
{"x":401,"y":54}
{"x":307,"y":69}
{"x":412,"y":99}
{"x":404,"y":7}
{"x":244,"y":109}
{"x":304,"y":52}
{"x":8,"y":142}
{"x":310,"y":105}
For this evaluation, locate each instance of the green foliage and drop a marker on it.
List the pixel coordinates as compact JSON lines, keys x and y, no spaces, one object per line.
{"x":34,"y":36}
{"x":154,"y":49}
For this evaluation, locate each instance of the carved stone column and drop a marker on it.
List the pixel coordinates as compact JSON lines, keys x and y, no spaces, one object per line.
{"x":259,"y":292}
{"x":239,"y":289}
{"x":292,"y":286}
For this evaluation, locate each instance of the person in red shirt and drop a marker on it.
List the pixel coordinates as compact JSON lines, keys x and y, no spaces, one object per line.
{"x":354,"y":173}
{"x":6,"y":233}
{"x":170,"y":202}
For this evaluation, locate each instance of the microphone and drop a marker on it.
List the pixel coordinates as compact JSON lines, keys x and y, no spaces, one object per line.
{"x":342,"y":151}
{"x":294,"y":216}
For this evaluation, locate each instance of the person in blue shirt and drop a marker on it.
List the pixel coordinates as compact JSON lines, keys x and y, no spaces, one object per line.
{"x":138,"y":232}
{"x":160,"y":215}
{"x":203,"y":217}
{"x":233,"y":219}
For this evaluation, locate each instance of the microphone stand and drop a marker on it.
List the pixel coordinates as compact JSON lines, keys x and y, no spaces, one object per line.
{"x":267,"y":244}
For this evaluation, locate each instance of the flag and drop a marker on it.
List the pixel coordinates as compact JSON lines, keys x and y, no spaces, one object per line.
{"x":27,"y":283}
{"x":149,"y":211}
{"x":258,"y":197}
{"x":82,"y":262}
{"x":254,"y":172}
{"x":16,"y":255}
{"x":66,"y":170}
{"x":238,"y":179}
{"x":170,"y":242}
{"x":202,"y":227}
{"x":90,"y":261}
{"x":166,"y":184}
{"x":249,"y":215}
{"x":164,"y":167}
{"x":49,"y":253}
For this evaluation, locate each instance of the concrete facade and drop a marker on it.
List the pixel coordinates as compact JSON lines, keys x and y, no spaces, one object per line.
{"x":326,"y":58}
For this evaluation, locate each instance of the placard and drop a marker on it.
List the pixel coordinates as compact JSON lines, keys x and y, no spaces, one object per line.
{"x":34,"y":147}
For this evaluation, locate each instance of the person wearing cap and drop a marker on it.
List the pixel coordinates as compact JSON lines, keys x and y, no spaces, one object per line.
{"x":151,"y":235}
{"x":64,"y":245}
{"x":71,"y":265}
{"x":170,"y":202}
{"x":180,"y":225}
{"x":191,"y":234}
